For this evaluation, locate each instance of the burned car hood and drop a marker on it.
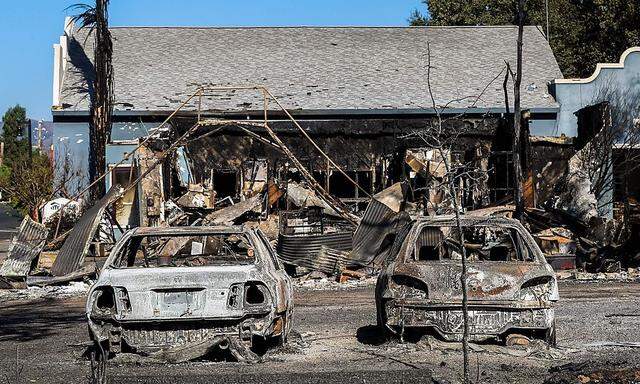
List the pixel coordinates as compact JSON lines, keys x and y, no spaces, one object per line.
{"x":188,"y":293}
{"x":486,"y":282}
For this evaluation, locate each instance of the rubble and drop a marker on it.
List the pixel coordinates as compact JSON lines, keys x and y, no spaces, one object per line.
{"x":76,"y":246}
{"x":380,"y":224}
{"x":228,"y":214}
{"x":331,"y":284}
{"x":499,"y":211}
{"x":302,"y":197}
{"x":629,"y":275}
{"x":82,"y":274}
{"x":312,"y":241}
{"x":72,"y":289}
{"x":197,"y":196}
{"x":558,"y":246}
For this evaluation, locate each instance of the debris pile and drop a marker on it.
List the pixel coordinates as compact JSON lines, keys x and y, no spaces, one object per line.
{"x":328,"y":211}
{"x":558,"y":246}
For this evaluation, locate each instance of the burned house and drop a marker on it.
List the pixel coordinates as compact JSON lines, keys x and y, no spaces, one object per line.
{"x":357,"y":93}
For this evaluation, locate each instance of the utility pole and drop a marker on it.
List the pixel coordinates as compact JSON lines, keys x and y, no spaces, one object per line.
{"x":546,"y":11}
{"x":30,"y":136}
{"x":40,"y":127}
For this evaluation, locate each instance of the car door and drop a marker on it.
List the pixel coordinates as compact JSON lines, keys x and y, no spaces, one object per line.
{"x":281,"y":276}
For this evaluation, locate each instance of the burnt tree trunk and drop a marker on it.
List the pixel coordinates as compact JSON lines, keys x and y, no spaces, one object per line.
{"x":504,"y":88}
{"x":517,"y":119}
{"x":101,"y":104}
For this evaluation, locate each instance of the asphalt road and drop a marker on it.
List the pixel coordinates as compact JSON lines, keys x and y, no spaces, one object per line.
{"x":43,"y":341}
{"x":9,"y":220}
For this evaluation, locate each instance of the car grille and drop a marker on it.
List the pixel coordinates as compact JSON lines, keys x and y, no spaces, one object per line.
{"x":174,"y":336}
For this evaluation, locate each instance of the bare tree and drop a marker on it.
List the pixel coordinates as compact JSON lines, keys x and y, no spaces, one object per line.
{"x":97,"y":19}
{"x":69,"y":177}
{"x":442,"y":136}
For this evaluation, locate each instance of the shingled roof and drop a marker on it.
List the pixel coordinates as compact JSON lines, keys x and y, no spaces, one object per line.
{"x":314,"y":68}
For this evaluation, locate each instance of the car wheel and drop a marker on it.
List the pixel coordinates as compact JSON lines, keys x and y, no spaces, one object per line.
{"x":550,"y":335}
{"x":381,"y":316}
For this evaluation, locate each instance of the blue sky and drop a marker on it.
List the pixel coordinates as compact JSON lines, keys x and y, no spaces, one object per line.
{"x":29,"y":28}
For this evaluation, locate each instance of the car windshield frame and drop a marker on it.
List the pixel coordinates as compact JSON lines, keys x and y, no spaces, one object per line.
{"x":123,"y":253}
{"x":521,"y":243}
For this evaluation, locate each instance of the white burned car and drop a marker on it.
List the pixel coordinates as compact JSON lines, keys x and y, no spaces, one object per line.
{"x":182,"y":293}
{"x":511,"y":287}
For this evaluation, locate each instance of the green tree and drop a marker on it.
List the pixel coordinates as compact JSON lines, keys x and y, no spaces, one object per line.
{"x":15,"y":149}
{"x":27,"y":183}
{"x":582,"y":33}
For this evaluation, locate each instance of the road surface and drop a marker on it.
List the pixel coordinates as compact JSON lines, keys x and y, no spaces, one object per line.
{"x":43,"y":341}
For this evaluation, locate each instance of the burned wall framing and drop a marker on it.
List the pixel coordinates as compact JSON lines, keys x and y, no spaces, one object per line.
{"x":372,"y":149}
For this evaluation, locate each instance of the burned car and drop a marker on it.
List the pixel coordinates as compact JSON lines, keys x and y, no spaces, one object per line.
{"x":182,"y":293}
{"x":511,"y":288}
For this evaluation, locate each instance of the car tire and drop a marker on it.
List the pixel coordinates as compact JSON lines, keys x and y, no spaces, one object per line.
{"x":381,"y":317}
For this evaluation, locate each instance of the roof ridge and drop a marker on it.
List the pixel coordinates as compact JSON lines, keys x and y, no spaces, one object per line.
{"x":318,"y":27}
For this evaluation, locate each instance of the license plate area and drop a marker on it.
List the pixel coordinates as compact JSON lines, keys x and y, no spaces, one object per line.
{"x":178,"y":302}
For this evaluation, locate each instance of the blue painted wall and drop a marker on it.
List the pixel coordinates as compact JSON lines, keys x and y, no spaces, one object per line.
{"x":577,"y":94}
{"x":72,"y":139}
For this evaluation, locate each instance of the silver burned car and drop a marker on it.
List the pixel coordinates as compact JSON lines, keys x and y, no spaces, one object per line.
{"x":182,"y":293}
{"x":511,"y":287}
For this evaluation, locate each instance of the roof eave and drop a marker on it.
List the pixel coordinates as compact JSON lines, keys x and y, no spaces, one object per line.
{"x":319,"y":112}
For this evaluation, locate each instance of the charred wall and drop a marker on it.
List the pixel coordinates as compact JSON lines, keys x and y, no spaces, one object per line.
{"x":371,"y":150}
{"x":548,"y":163}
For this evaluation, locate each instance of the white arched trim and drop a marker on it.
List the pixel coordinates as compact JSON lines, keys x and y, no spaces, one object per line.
{"x":599,"y":68}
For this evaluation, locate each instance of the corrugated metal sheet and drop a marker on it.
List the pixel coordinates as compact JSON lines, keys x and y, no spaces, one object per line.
{"x":429,"y":237}
{"x":24,"y":248}
{"x":75,"y":248}
{"x":304,"y":250}
{"x":329,"y":261}
{"x":378,"y":228}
